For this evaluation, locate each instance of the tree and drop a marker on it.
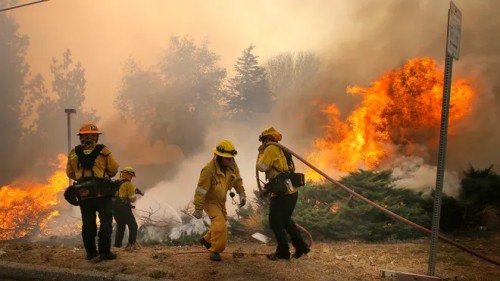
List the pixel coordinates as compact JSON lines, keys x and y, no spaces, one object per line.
{"x":294,"y":81}
{"x":249,"y":91}
{"x":289,"y":72}
{"x":49,"y":128}
{"x":13,"y":72}
{"x":480,"y":189}
{"x":175,"y":101}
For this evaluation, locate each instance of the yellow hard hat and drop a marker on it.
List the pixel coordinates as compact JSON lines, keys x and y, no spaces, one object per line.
{"x":88,"y":128}
{"x":271,"y":133}
{"x":128,"y":170}
{"x":225,"y":148}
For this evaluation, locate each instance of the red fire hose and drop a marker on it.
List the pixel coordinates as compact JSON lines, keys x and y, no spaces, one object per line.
{"x":394,"y":215}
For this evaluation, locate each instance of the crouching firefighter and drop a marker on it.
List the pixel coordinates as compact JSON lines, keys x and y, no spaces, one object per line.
{"x":92,"y":165}
{"x":122,"y":209}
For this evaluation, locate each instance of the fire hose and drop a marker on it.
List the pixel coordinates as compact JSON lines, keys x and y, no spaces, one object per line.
{"x":394,"y":215}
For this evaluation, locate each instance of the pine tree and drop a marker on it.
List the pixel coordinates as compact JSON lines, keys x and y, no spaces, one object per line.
{"x":480,"y":189}
{"x":249,"y":91}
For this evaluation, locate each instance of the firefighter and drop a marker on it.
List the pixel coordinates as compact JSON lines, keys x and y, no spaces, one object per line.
{"x":217,"y":177}
{"x":272,"y":161}
{"x":89,"y":164}
{"x":122,"y":209}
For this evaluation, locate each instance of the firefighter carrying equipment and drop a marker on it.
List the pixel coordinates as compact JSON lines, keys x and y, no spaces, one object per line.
{"x":225,"y":148}
{"x":273,"y":162}
{"x":272,"y":133}
{"x":91,"y":170}
{"x":88,"y":128}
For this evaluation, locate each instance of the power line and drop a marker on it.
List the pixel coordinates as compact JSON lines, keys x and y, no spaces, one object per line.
{"x":23,"y":5}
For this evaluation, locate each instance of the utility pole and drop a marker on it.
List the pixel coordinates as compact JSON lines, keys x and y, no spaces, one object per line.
{"x":68,"y":112}
{"x":23,"y":5}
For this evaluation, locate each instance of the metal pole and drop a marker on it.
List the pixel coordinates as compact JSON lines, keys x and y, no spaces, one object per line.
{"x":441,"y":163}
{"x":68,"y":112}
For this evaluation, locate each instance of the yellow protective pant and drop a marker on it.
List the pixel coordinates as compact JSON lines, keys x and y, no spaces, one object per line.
{"x":217,"y":234}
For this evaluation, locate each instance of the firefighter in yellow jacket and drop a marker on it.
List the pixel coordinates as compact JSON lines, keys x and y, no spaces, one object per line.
{"x":273,"y":162}
{"x":89,"y":164}
{"x":216,"y":179}
{"x":122,"y":209}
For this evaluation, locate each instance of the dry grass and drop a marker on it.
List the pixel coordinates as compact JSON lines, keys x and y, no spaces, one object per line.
{"x":327,"y":261}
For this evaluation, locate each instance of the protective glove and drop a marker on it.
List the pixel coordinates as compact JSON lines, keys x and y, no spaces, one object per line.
{"x":197,"y":213}
{"x":243,"y":199}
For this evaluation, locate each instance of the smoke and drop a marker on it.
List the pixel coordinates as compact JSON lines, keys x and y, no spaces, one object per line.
{"x":356,"y":44}
{"x":413,"y":173}
{"x":383,"y":36}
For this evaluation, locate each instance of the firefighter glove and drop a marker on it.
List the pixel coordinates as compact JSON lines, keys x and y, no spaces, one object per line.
{"x":197,"y":213}
{"x":243,"y":199}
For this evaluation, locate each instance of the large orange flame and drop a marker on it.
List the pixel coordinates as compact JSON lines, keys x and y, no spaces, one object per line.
{"x":25,"y":208}
{"x":398,"y":112}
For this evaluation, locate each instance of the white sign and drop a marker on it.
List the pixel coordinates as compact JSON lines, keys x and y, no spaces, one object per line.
{"x":454,"y":31}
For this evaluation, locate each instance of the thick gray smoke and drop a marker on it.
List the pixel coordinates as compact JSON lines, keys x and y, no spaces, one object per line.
{"x":373,"y":37}
{"x":383,"y":35}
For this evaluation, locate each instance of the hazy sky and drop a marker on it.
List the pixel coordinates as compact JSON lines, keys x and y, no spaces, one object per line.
{"x":103,"y":34}
{"x":360,"y":40}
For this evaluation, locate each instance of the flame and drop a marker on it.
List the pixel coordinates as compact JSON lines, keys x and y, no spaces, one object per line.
{"x":26,"y":208}
{"x":399,"y":112}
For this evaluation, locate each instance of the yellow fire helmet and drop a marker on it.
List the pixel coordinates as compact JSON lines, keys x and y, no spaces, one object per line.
{"x":272,"y":133}
{"x":88,"y":128}
{"x":129,"y":170}
{"x":225,"y":148}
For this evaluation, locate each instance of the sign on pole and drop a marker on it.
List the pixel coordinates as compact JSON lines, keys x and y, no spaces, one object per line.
{"x":454,"y":31}
{"x":452,"y":51}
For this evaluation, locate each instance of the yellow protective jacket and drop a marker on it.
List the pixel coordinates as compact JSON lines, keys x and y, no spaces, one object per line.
{"x":213,"y":184}
{"x":126,"y":193}
{"x":272,"y":161}
{"x":104,"y":166}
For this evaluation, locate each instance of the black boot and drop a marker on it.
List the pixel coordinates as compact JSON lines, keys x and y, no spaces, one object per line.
{"x":91,"y":255}
{"x":215,"y":257}
{"x":300,"y":252}
{"x":276,"y":256}
{"x":107,"y":256}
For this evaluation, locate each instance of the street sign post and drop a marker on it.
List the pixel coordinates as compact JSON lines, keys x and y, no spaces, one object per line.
{"x":452,"y":51}
{"x":454,"y":31}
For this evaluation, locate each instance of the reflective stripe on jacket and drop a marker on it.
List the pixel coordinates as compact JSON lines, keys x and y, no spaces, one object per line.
{"x":213,"y":184}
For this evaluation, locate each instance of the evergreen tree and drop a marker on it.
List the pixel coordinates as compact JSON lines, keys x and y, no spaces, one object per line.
{"x":331,"y":213}
{"x":249,"y":91}
{"x":13,"y":72}
{"x":480,"y":189}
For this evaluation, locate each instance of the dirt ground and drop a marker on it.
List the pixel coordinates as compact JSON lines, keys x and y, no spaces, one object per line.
{"x":244,"y":260}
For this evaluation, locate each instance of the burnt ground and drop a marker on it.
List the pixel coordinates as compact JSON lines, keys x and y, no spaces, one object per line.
{"x":244,"y":260}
